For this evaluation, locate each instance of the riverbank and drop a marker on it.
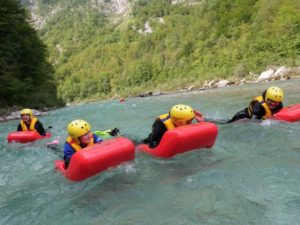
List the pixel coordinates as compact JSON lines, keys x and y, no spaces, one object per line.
{"x":13,"y":114}
{"x":270,"y":74}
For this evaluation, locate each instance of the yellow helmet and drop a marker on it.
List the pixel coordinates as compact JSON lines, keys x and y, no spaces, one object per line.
{"x":78,"y":128}
{"x":274,"y":94}
{"x":27,"y":112}
{"x":182,"y":113}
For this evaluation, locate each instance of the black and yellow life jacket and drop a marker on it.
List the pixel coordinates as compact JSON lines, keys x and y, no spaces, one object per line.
{"x":74,"y":144}
{"x":260,"y":99}
{"x":31,"y":126}
{"x":166,"y":119}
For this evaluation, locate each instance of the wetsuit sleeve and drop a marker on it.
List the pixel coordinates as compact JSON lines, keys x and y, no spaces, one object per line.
{"x":68,"y":153}
{"x":158,"y":130}
{"x":19,"y":127}
{"x":39,"y":127}
{"x":257,"y":110}
{"x":97,"y":139}
{"x":240,"y":115}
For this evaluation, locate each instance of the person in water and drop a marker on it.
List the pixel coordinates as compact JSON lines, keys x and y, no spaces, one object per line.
{"x":179,"y":115}
{"x":262,"y":107}
{"x":30,"y":123}
{"x":80,"y":136}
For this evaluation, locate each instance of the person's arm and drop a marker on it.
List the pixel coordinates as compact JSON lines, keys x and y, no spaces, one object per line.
{"x":97,"y":139}
{"x":68,"y":153}
{"x":39,"y":127}
{"x":158,"y":130}
{"x":240,"y":115}
{"x":258,"y":110}
{"x":198,"y":116}
{"x":114,"y":132}
{"x":19,"y":127}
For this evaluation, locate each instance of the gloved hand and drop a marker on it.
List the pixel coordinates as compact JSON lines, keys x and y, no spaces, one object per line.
{"x":67,"y":162}
{"x":114,"y":132}
{"x":198,"y":116}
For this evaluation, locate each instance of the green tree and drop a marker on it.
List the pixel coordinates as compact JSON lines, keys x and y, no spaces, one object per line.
{"x":26,"y":78}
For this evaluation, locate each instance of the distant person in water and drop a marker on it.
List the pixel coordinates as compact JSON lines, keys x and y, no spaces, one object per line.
{"x":179,"y":115}
{"x":30,"y":123}
{"x":262,"y":107}
{"x":80,"y":136}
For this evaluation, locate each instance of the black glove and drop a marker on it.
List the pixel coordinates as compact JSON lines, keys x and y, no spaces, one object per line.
{"x":114,"y":132}
{"x":67,"y":162}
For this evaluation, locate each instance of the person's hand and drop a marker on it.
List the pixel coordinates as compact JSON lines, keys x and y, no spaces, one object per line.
{"x":198,"y":116}
{"x":114,"y":132}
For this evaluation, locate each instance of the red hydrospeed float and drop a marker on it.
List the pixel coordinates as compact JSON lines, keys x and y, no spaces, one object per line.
{"x":25,"y":136}
{"x":183,"y":139}
{"x":289,"y":113}
{"x":97,"y":158}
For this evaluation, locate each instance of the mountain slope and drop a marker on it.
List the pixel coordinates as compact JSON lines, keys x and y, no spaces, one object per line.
{"x":163,"y":45}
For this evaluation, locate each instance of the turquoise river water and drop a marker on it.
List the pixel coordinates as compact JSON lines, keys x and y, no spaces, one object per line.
{"x":250,"y":176}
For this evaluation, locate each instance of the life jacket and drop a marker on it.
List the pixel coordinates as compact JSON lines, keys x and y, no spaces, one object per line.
{"x":260,"y":99}
{"x":31,"y":125}
{"x":74,"y":144}
{"x":166,"y":119}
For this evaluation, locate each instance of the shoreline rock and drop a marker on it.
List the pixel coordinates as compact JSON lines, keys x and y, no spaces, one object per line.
{"x":270,"y":74}
{"x":15,"y":115}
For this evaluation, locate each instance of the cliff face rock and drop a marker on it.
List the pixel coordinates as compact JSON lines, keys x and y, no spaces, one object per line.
{"x":187,"y":2}
{"x":41,"y":13}
{"x":118,"y":7}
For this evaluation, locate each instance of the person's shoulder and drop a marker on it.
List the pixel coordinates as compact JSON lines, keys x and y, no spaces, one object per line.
{"x":158,"y":124}
{"x":67,"y":146}
{"x":257,"y":104}
{"x":38,"y":121}
{"x":97,"y":138}
{"x":158,"y":121}
{"x":257,"y":108}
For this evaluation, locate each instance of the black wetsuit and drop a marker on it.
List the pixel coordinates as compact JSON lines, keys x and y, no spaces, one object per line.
{"x":158,"y":130}
{"x":258,"y":111}
{"x":38,"y":126}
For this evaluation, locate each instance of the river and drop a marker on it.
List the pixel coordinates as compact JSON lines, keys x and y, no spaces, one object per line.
{"x":250,"y":176}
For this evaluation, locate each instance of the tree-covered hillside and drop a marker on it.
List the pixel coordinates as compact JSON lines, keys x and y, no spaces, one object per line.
{"x":160,"y":45}
{"x":26,"y":78}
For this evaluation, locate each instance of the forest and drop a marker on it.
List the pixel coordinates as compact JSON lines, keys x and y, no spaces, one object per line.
{"x":26,"y":76}
{"x":88,"y":54}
